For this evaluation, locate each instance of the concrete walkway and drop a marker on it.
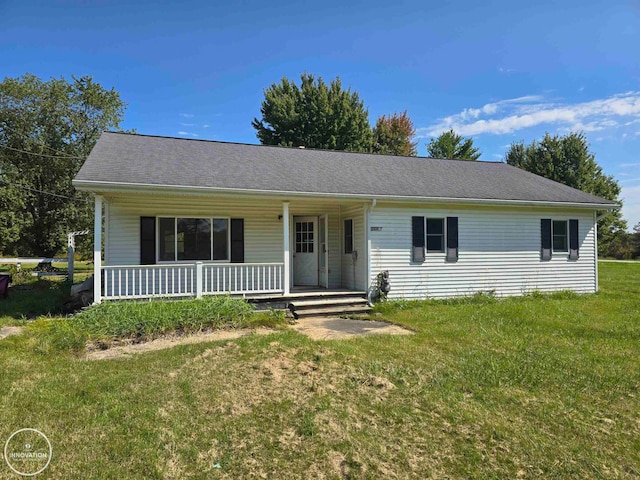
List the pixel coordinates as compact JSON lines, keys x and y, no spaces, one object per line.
{"x":318,"y":328}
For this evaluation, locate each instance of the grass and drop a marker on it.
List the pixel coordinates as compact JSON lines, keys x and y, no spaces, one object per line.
{"x":32,"y":297}
{"x":35,"y":298}
{"x":534,"y":387}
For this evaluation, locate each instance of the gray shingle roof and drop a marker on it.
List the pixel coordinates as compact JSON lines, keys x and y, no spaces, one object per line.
{"x":149,"y":160}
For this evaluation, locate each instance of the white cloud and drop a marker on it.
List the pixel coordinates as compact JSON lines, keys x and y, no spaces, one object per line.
{"x":627,"y":165}
{"x":188,"y":124}
{"x":187,"y":134}
{"x":187,"y":115}
{"x":206,"y":125}
{"x":511,"y":115}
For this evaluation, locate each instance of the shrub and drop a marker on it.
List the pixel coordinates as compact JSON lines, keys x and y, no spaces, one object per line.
{"x":20,"y":277}
{"x":149,"y":319}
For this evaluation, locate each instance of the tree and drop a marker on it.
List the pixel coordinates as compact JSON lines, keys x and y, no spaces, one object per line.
{"x":394,"y":134}
{"x":314,"y":115}
{"x":635,"y":240}
{"x":568,"y":160}
{"x":47,"y":129}
{"x":453,"y":146}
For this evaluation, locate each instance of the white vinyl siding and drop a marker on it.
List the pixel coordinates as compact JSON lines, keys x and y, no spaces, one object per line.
{"x":262,"y":227}
{"x":499,"y":250}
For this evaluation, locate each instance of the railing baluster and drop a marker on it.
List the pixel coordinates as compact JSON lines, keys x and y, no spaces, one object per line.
{"x":141,"y":281}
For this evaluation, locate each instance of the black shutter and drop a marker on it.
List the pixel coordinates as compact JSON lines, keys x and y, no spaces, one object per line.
{"x":147,"y":240}
{"x":545,"y":232}
{"x":237,"y":240}
{"x":417,"y":225}
{"x":574,"y":243}
{"x":452,"y":239}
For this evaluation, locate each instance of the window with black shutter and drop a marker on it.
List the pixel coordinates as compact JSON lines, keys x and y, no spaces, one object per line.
{"x":435,"y":235}
{"x":560,"y":236}
{"x":191,"y":238}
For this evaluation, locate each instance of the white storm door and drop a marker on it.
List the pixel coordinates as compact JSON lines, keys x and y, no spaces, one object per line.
{"x":305,"y":251}
{"x":323,"y":267}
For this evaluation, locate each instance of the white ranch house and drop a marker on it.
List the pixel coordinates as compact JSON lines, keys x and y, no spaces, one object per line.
{"x":182,"y":217}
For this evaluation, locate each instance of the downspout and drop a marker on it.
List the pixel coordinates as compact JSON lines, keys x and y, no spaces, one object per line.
{"x":368,"y":232}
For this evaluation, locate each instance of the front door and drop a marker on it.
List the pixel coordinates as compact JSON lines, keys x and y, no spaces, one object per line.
{"x":305,"y":251}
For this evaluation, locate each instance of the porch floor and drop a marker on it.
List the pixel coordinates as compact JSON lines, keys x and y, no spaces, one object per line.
{"x":303,"y":292}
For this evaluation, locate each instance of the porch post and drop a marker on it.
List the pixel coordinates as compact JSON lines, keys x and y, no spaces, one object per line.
{"x":97,"y":251}
{"x":199,"y":279}
{"x":286,"y":236}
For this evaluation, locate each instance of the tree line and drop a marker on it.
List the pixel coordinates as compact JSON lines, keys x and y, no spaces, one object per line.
{"x":48,"y":128}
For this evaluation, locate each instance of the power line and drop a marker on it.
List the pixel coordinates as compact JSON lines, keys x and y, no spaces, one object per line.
{"x":68,"y":157}
{"x":45,"y":193}
{"x":5,"y":127}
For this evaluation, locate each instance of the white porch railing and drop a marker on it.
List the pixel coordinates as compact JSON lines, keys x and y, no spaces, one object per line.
{"x":190,"y":279}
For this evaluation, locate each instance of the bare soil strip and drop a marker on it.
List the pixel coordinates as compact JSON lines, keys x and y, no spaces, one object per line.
{"x":314,"y":328}
{"x":172,"y":341}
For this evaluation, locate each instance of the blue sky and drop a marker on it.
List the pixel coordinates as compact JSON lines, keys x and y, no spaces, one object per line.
{"x":498,"y":71}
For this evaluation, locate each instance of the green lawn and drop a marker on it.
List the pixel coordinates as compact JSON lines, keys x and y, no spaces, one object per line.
{"x":544,"y":387}
{"x":33,"y":296}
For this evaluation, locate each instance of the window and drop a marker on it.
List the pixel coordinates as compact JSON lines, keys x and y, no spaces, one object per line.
{"x":560,"y":236}
{"x":304,"y":237}
{"x":193,"y":239}
{"x":435,"y":234}
{"x":348,"y":236}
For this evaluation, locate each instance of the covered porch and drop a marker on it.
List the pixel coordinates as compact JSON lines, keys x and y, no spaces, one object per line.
{"x":168,"y":245}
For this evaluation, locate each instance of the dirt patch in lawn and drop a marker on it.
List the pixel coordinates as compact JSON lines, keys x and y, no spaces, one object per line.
{"x":172,"y":341}
{"x":8,"y":331}
{"x":315,"y":328}
{"x":318,"y":328}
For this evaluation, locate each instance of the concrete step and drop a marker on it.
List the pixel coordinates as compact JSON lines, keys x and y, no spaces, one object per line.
{"x":327,"y":301}
{"x":332,"y":311}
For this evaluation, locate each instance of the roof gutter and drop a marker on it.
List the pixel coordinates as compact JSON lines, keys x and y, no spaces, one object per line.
{"x":117,"y":187}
